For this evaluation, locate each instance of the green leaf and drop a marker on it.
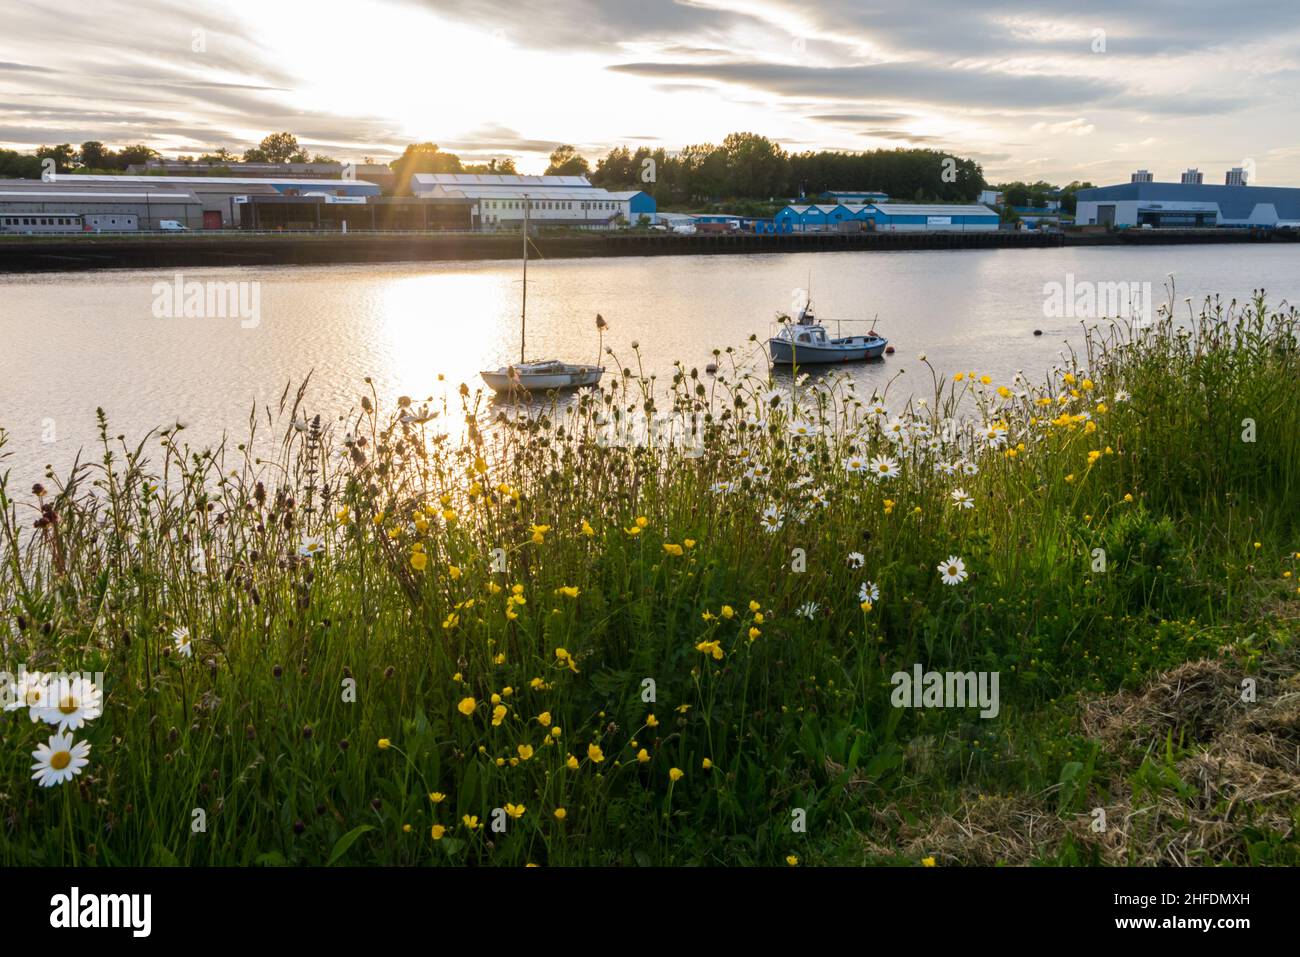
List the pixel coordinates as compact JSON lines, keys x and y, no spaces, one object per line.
{"x":347,"y":840}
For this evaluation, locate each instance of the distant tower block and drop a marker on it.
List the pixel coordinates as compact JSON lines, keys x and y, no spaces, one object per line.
{"x":1236,"y":177}
{"x":1142,"y":176}
{"x":1193,"y":177}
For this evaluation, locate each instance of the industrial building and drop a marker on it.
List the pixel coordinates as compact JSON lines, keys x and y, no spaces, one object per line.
{"x":352,"y":213}
{"x":377,"y":173}
{"x":552,"y":200}
{"x":62,"y":206}
{"x":913,"y":217}
{"x":1144,"y":203}
{"x":887,"y":217}
{"x":196,"y":202}
{"x":823,"y":218}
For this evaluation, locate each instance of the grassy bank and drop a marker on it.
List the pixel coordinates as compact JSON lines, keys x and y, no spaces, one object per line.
{"x":557,"y":643}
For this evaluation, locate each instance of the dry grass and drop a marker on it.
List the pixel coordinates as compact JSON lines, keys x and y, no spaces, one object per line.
{"x":1241,"y":774}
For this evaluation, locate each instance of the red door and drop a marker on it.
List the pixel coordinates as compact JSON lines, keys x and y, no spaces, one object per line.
{"x":212,"y":219}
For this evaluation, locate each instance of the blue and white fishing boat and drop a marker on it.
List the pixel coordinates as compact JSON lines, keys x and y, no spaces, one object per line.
{"x":806,"y":342}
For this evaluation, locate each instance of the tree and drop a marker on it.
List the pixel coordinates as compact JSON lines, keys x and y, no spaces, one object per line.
{"x":63,"y":155}
{"x":95,"y":155}
{"x":279,"y":147}
{"x":137,"y":153}
{"x":19,"y":165}
{"x":566,"y":161}
{"x":614,"y":170}
{"x":493,"y":166}
{"x":255,"y":155}
{"x":421,"y":158}
{"x":1069,"y":201}
{"x":756,"y":167}
{"x":221,"y":156}
{"x":1015,"y":194}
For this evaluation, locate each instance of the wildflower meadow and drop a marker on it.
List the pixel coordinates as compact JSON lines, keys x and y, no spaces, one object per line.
{"x":708,"y":619}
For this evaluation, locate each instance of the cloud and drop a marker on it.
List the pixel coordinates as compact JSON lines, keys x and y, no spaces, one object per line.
{"x":859,"y":117}
{"x":902,"y":82}
{"x":24,"y":68}
{"x":887,"y":134}
{"x":590,"y":25}
{"x":493,"y":138}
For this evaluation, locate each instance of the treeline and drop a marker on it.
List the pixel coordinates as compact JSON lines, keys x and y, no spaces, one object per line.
{"x":94,"y":157}
{"x":750,"y":166}
{"x":1038,"y":194}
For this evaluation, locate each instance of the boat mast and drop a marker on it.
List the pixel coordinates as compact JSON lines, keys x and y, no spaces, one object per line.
{"x":523,"y":309}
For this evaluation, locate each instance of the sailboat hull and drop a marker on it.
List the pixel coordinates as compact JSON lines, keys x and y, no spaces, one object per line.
{"x":542,"y":377}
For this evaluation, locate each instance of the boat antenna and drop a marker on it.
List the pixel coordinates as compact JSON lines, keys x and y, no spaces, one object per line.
{"x":523,"y":308}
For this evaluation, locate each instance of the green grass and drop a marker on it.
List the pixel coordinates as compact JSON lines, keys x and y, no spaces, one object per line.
{"x":302,"y":664}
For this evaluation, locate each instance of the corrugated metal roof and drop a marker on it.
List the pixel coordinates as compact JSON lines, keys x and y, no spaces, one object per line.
{"x":220,"y":180}
{"x":590,"y":194}
{"x":926,"y":209}
{"x":501,"y":179}
{"x":36,"y":196}
{"x":1236,"y":203}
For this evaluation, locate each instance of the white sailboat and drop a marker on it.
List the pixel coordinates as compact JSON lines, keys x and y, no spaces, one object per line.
{"x":542,"y":375}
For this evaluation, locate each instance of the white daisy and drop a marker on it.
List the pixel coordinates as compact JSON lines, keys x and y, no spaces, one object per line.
{"x":996,"y":435}
{"x":883,"y":467}
{"x":856,"y":463}
{"x":952,"y":571}
{"x":869,"y":591}
{"x":856,"y":560}
{"x":1121,"y":396}
{"x":962,"y":499}
{"x":311,"y":546}
{"x":720,"y":488}
{"x":806,"y":610}
{"x":60,"y":760}
{"x":72,"y":701}
{"x":31,"y":690}
{"x":969,"y":468}
{"x":896,"y":430}
{"x":771,"y":518}
{"x":946,"y":468}
{"x":181,"y":638}
{"x":799,"y":427}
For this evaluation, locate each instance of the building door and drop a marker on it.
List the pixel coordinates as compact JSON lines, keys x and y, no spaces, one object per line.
{"x":1106,"y":215}
{"x":212,"y":219}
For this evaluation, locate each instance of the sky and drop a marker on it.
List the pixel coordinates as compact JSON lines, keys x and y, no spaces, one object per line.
{"x":1030,"y":89}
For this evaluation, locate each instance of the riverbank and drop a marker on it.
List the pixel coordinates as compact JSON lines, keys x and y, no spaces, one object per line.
{"x":562,"y":645}
{"x":232,"y":248}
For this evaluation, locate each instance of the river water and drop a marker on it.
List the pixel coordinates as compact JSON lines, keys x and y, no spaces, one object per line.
{"x":72,"y":342}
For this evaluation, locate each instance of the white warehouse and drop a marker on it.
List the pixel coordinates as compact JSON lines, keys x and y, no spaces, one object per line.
{"x":552,"y":200}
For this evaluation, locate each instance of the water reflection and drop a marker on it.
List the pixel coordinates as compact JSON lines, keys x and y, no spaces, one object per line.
{"x":73,"y":342}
